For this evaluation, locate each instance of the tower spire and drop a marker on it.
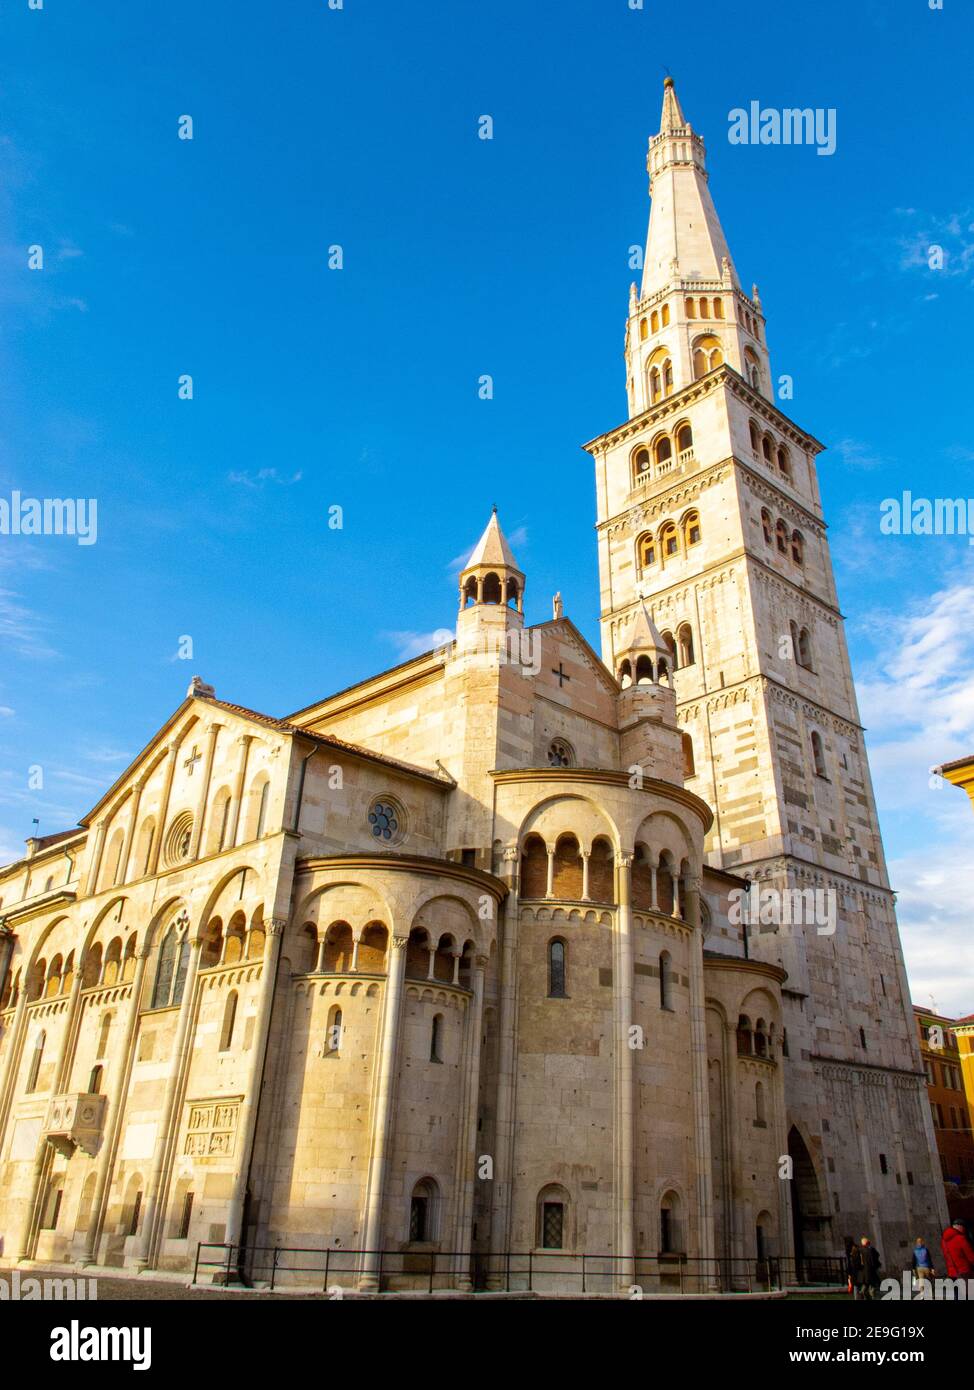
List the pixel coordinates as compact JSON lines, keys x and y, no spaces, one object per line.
{"x":672,"y":118}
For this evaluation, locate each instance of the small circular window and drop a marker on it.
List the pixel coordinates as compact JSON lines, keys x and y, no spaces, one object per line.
{"x":561,"y":753}
{"x":387,"y":821}
{"x":179,"y":839}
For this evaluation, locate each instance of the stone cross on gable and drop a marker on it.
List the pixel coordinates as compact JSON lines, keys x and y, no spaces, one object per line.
{"x":192,"y":760}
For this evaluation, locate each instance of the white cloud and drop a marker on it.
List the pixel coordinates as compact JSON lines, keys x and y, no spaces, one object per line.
{"x":411,"y":644}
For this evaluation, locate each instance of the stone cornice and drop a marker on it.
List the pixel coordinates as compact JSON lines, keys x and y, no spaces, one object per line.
{"x":841,"y":1066}
{"x":409,"y":864}
{"x":607,"y":777}
{"x":722,"y":376}
{"x":764,"y":684}
{"x":714,"y":960}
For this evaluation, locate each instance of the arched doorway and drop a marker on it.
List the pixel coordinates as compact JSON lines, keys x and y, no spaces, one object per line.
{"x":810,"y":1218}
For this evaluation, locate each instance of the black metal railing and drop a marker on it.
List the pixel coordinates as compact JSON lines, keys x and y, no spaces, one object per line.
{"x":510,"y":1271}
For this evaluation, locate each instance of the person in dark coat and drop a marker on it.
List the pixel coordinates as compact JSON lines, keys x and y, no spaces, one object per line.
{"x":958,"y":1254}
{"x":866,"y":1264}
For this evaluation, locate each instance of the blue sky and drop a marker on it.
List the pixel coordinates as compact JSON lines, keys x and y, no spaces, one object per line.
{"x":315,"y":387}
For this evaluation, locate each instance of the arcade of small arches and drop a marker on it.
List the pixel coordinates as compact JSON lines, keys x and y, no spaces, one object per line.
{"x":646,"y":671}
{"x":670,"y":541}
{"x":129,"y":859}
{"x":755,"y":1039}
{"x":667,"y":448}
{"x":765,"y":446}
{"x":568,"y":872}
{"x":776,"y":534}
{"x":490,"y":588}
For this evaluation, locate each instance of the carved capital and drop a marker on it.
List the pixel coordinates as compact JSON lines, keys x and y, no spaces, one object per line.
{"x":399,"y":943}
{"x":274,"y":926}
{"x":624,"y":859}
{"x":511,"y":854}
{"x":481,"y":962}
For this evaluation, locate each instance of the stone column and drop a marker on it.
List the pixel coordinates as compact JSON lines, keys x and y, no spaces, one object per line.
{"x":44,"y":1154}
{"x":468,"y":1138}
{"x":654,"y":900}
{"x":550,"y":886}
{"x":247,"y":1121}
{"x":160,"y":829}
{"x":18,"y":1029}
{"x":586,"y":857}
{"x":170,"y":1110}
{"x":245,"y":741}
{"x":701,"y":1084}
{"x":506,"y":1071}
{"x":320,"y":963}
{"x":133,"y":830}
{"x":622,"y":992}
{"x":115,"y":1112}
{"x":200,"y":818}
{"x":94,"y":866}
{"x":384,"y":1111}
{"x":733,"y":1143}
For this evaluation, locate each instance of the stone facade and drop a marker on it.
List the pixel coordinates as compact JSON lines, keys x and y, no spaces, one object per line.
{"x":451,"y":962}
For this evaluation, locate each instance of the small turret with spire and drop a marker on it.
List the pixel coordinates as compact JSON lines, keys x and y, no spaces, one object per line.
{"x":491,"y":585}
{"x":647,"y":704}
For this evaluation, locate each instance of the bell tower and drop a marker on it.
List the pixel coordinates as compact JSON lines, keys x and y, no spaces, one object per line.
{"x":710,"y":528}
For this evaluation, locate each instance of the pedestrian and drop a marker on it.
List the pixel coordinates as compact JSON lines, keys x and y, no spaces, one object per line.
{"x":865,"y":1269}
{"x":958,"y":1254}
{"x":922,"y":1263}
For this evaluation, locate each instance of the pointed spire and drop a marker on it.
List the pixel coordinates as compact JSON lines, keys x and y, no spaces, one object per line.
{"x":685,"y":240}
{"x":492,"y":548}
{"x":644,"y":636}
{"x":672,"y":118}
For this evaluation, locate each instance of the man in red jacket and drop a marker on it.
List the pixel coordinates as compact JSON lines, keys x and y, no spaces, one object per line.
{"x":958,"y":1255}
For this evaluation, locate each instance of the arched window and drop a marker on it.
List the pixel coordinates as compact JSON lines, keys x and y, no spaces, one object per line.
{"x":625,"y":674}
{"x":797,"y":548}
{"x":745,"y":1045}
{"x":689,"y":769}
{"x":718,"y":308}
{"x":755,"y":438}
{"x":767,"y":526}
{"x":760,"y":1038}
{"x":805,"y":649}
{"x":423,"y":1211}
{"x":660,"y":372}
{"x":491,"y":589}
{"x":663,"y":449}
{"x":654,"y":322}
{"x":691,"y":309}
{"x":552,"y":1218}
{"x":707,"y":352}
{"x":170,"y":970}
{"x":557,"y":969}
{"x":704,"y":308}
{"x":665,"y":316}
{"x":669,"y":542}
{"x":793,"y":630}
{"x":781,"y":537}
{"x":784,"y":463}
{"x":640,"y":462}
{"x":113,"y":962}
{"x":37,"y":1057}
{"x":646,"y":551}
{"x":691,"y":529}
{"x":94,"y":1080}
{"x":685,"y":640}
{"x":684,"y":439}
{"x":752,"y":370}
{"x":818,"y":753}
{"x":669,"y":642}
{"x":670,"y":1224}
{"x":534,"y":868}
{"x":333,"y":1031}
{"x":436,"y":1038}
{"x":665,"y":968}
{"x":643,"y":330}
{"x":103,"y":1032}
{"x":759,"y":1115}
{"x":229,"y":1019}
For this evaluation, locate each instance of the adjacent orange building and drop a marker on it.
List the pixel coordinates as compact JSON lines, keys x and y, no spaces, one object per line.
{"x":947,"y":1049}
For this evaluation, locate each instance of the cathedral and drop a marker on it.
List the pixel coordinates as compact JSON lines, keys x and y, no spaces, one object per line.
{"x":518,"y":960}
